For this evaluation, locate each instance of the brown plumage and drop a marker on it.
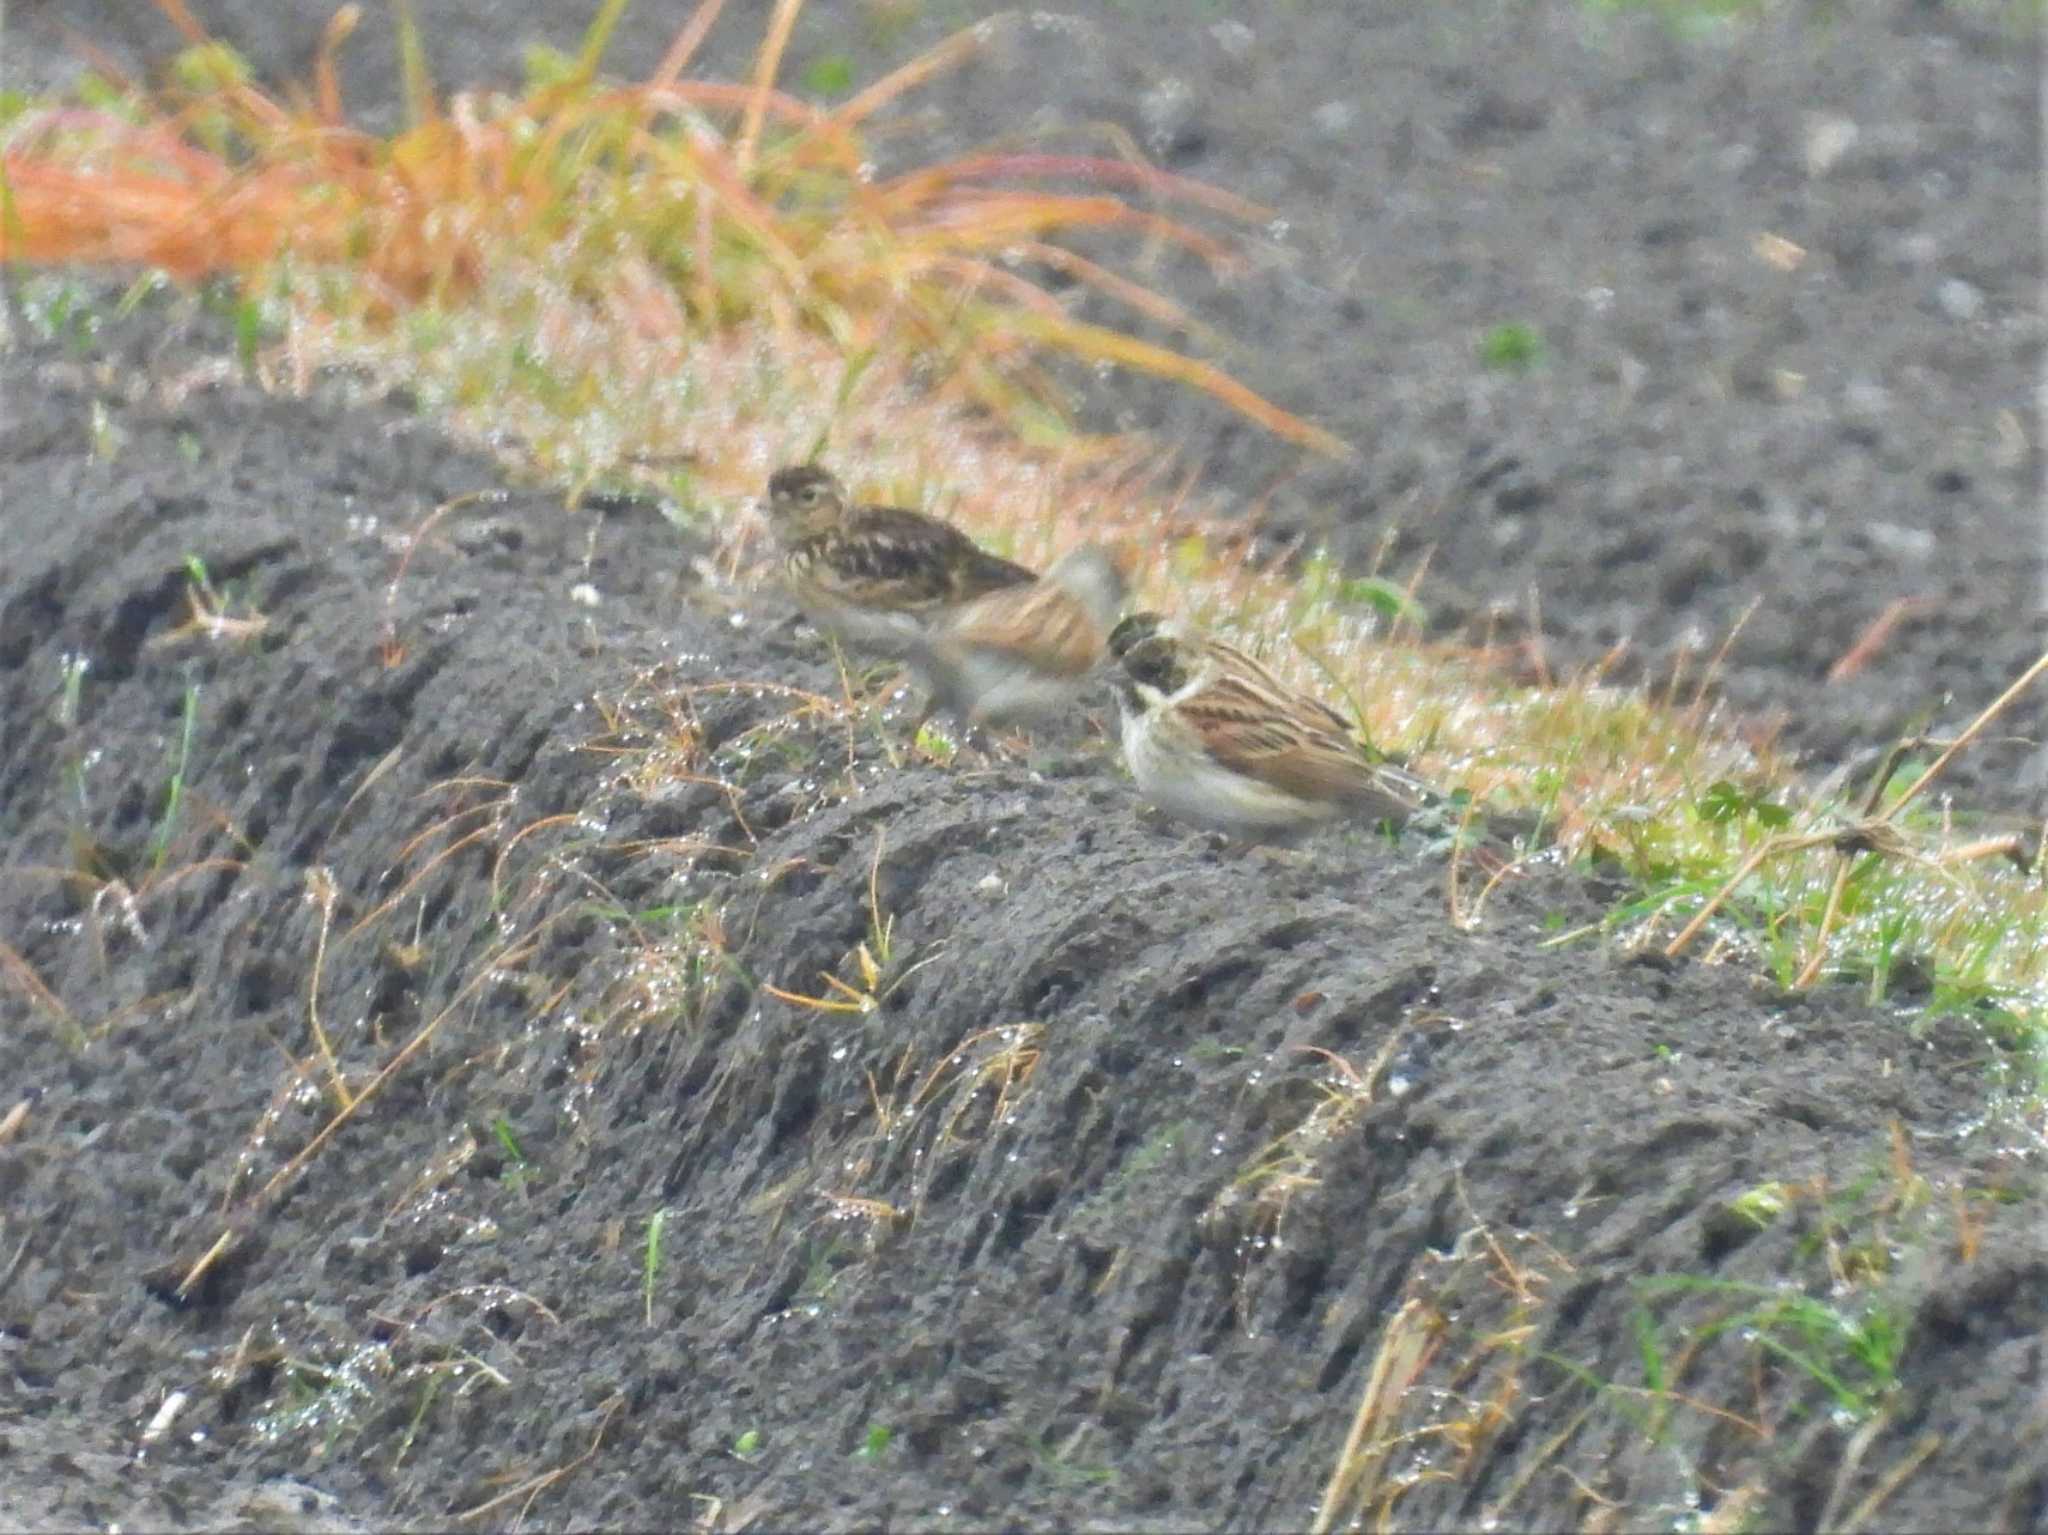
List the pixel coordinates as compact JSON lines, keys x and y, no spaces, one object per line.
{"x":878,"y":576}
{"x":1023,"y":654}
{"x":1213,"y":737}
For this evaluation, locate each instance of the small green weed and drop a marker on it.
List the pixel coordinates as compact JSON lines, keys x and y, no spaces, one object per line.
{"x":60,"y":309}
{"x":1762,"y":1205}
{"x":934,"y":743}
{"x":831,"y":75}
{"x":1057,"y":1464}
{"x":174,"y":789}
{"x":1851,"y":1351}
{"x":519,"y":1167}
{"x":1511,"y":348}
{"x":650,"y":1262}
{"x":1725,"y":802}
{"x":822,"y":1264}
{"x":1685,"y":17}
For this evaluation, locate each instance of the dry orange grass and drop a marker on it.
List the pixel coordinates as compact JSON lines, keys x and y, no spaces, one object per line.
{"x":685,"y":208}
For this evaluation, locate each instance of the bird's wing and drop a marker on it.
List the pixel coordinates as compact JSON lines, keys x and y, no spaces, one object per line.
{"x":1041,"y":625}
{"x":979,"y":572}
{"x":886,"y":556}
{"x":1230,"y":658}
{"x":1286,"y":740}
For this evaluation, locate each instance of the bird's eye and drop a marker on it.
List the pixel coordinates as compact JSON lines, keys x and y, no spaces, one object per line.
{"x":1154,"y":663}
{"x":810,"y":494}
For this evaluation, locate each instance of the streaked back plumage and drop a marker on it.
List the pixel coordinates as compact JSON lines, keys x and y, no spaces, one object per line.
{"x":878,"y":576}
{"x":1212,"y":736}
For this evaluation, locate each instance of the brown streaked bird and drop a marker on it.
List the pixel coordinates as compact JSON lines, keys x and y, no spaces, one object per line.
{"x":1213,"y":737}
{"x":877,"y":576}
{"x":1023,"y":654}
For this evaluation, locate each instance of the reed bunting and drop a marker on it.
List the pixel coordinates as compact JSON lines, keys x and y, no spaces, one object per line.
{"x":1213,"y":737}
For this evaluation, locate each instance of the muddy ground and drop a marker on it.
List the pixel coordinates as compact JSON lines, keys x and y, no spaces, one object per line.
{"x":1073,"y":1227}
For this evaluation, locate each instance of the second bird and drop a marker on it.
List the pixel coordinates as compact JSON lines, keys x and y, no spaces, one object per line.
{"x":1024,"y":655}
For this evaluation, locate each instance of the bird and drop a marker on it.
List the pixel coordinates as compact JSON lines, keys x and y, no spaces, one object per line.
{"x":876,"y":576}
{"x":1220,"y":653}
{"x":1022,"y":655}
{"x":1214,"y":738}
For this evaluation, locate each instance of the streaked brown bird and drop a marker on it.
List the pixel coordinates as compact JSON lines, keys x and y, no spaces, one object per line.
{"x":877,"y":576}
{"x":1214,"y":738}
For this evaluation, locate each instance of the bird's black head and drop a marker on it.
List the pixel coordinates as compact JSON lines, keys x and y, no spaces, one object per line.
{"x":1156,"y":662}
{"x":1132,"y":632}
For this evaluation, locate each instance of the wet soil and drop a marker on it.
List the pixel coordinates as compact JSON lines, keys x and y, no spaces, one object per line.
{"x":1074,"y":1224}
